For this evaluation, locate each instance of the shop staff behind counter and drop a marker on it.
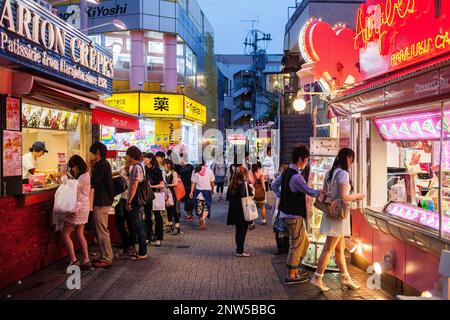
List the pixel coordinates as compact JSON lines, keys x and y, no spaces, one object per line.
{"x":29,"y":159}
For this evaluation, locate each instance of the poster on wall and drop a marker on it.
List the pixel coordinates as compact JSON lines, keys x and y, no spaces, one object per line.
{"x":12,"y":109}
{"x":12,"y":153}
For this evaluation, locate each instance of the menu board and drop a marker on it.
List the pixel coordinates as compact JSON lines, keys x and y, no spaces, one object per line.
{"x":12,"y":153}
{"x":324,"y":146}
{"x":46,"y":118}
{"x":13,"y":106}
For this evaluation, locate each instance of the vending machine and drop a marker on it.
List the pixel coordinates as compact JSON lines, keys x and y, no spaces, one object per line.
{"x":323,"y":152}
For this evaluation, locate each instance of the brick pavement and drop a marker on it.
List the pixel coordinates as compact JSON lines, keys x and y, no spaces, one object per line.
{"x":194,"y":265}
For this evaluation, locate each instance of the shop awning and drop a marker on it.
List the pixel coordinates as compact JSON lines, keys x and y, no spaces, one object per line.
{"x":106,"y":115}
{"x":114,"y":120}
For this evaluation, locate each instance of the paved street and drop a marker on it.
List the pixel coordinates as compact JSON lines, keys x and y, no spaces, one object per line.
{"x":195,"y":265}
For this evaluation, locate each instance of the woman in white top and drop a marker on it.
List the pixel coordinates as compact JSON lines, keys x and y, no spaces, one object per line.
{"x":202,"y":190}
{"x":336,"y":230}
{"x":76,"y":220}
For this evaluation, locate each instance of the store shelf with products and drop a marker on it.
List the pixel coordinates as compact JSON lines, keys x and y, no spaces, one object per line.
{"x":323,"y":152}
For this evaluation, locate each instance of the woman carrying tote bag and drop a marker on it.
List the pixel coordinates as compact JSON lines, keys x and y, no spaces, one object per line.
{"x":237,"y":191}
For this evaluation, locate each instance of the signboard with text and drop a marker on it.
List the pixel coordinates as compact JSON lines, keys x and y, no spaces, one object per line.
{"x":33,"y":38}
{"x":392,"y":34}
{"x":155,"y":105}
{"x":194,"y":110}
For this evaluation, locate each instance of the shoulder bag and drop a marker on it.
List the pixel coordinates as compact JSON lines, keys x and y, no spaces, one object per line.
{"x":334,"y":208}
{"x":249,"y":206}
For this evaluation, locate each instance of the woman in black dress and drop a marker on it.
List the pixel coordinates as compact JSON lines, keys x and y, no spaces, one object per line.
{"x":237,"y":191}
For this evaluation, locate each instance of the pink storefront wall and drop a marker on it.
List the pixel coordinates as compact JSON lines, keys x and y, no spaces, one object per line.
{"x":415,"y":267}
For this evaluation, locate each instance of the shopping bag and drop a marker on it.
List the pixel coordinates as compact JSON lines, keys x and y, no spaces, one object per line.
{"x":180,"y":192}
{"x":270,"y":198}
{"x":66,"y":197}
{"x":169,"y":198}
{"x":249,"y":207}
{"x":159,"y":203}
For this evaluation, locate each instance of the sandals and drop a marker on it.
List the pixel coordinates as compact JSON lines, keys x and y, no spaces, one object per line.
{"x":86,"y":266}
{"x":139,"y":258}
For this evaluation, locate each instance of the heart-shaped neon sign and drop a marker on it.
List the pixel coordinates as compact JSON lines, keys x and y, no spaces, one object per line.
{"x":332,"y":52}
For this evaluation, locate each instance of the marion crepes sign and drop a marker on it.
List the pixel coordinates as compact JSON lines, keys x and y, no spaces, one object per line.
{"x":392,"y":34}
{"x":32,"y":37}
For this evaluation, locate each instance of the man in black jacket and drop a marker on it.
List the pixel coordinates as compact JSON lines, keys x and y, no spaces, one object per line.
{"x":102,"y":182}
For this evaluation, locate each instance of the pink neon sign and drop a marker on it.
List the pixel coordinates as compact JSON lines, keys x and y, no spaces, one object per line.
{"x":413,"y":127}
{"x":418,"y":215}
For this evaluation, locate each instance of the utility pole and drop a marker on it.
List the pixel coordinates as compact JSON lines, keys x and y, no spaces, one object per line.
{"x":257,"y":51}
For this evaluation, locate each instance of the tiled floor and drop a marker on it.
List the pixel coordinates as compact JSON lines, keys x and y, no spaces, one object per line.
{"x":194,"y":265}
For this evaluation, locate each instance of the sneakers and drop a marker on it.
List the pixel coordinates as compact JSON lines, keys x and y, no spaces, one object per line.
{"x":263,"y":222}
{"x":302,"y":272}
{"x":243,"y":254}
{"x":299,"y":279}
{"x":189,"y":218}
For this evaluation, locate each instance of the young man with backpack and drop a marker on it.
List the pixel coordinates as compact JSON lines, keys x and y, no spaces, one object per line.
{"x":291,"y":189}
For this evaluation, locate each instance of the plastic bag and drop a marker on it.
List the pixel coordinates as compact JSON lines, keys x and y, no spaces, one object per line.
{"x":66,"y":197}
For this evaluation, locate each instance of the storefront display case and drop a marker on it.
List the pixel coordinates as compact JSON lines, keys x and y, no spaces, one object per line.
{"x":323,"y":152}
{"x":414,"y":146}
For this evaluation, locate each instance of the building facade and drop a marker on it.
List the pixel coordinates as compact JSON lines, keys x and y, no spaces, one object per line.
{"x":163,"y":62}
{"x":298,"y":127}
{"x":253,"y":92}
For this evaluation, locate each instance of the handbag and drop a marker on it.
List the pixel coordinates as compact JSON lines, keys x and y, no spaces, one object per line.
{"x":180,"y":191}
{"x":249,"y":207}
{"x":159,"y":203}
{"x":334,"y":208}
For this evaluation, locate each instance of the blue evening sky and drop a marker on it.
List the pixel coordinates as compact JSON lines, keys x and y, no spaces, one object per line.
{"x":225,"y":17}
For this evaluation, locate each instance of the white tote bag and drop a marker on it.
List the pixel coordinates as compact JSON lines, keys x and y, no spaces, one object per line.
{"x":249,"y":207}
{"x":159,"y":203}
{"x":66,"y":197}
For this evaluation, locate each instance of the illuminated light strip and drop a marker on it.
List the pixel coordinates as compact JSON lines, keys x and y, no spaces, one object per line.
{"x":302,"y":43}
{"x":314,"y":53}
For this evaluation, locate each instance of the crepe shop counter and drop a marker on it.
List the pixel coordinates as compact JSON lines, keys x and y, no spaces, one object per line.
{"x":65,"y":133}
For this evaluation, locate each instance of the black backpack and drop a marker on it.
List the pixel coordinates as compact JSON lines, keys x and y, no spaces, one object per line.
{"x":144,"y":194}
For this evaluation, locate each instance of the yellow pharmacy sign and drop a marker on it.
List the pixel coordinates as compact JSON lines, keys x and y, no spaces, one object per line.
{"x":127,"y":102}
{"x":161,"y":105}
{"x":194,"y":110}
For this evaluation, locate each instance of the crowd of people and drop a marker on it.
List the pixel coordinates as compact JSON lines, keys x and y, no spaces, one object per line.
{"x":178,"y":184}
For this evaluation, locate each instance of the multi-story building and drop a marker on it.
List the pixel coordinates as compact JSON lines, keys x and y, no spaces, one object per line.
{"x":253,"y":91}
{"x":164,"y":68}
{"x":297,"y":127}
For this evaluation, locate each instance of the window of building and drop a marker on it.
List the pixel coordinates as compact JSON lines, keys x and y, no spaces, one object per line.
{"x":181,"y":62}
{"x":120,"y":46}
{"x":155,"y":60}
